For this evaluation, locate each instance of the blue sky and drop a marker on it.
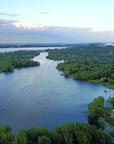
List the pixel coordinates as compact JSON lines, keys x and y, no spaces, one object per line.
{"x":56,"y":21}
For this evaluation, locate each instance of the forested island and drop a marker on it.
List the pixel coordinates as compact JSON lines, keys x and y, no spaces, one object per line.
{"x":91,"y":63}
{"x":68,"y":133}
{"x":18,"y":59}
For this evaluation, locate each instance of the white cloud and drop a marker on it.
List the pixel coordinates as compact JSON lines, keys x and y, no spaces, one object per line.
{"x":13,"y":31}
{"x":7,"y":22}
{"x":29,"y":25}
{"x":10,"y":15}
{"x":102,"y":30}
{"x":43,"y":13}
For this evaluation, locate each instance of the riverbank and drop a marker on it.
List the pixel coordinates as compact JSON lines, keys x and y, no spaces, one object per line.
{"x":88,"y":63}
{"x":103,"y":83}
{"x":107,"y":84}
{"x":19,"y":59}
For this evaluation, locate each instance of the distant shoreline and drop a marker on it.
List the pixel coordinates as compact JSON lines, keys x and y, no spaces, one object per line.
{"x":21,"y":45}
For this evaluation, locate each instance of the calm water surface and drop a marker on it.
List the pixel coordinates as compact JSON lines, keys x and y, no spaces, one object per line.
{"x":40,"y":96}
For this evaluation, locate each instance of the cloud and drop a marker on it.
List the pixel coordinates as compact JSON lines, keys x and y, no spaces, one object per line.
{"x":7,"y":22}
{"x":30,"y":26}
{"x":13,"y":31}
{"x":44,"y":13}
{"x":10,"y":15}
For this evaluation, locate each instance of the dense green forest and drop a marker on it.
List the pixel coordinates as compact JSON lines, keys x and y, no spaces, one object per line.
{"x":69,"y":133}
{"x":91,"y":63}
{"x":18,"y":59}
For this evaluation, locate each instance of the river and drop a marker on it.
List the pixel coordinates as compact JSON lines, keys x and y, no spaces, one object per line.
{"x":40,"y":96}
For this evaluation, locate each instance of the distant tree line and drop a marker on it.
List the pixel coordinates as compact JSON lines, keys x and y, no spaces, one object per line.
{"x":22,"y":45}
{"x":18,"y":59}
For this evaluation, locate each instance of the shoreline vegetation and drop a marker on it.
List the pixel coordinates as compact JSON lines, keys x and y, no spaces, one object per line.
{"x":68,"y":133}
{"x":87,"y":63}
{"x":18,"y":59}
{"x":99,"y":114}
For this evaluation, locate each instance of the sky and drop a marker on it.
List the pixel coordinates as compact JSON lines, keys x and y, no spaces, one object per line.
{"x":49,"y":21}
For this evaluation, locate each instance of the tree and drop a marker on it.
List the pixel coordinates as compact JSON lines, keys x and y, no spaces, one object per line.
{"x":112,"y":101}
{"x":44,"y":140}
{"x":20,"y":138}
{"x":5,"y":135}
{"x":96,"y":113}
{"x":101,"y":122}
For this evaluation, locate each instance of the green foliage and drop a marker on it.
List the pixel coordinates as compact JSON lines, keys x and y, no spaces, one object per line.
{"x":112,"y":101}
{"x":44,"y":140}
{"x":110,"y":121}
{"x":107,"y":110}
{"x":96,"y":112}
{"x":5,"y":135}
{"x":101,"y":122}
{"x":20,"y":138}
{"x":111,"y":81}
{"x":86,"y":63}
{"x":19,"y":59}
{"x":69,"y":133}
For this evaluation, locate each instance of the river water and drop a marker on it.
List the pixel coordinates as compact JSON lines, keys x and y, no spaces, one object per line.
{"x":40,"y":96}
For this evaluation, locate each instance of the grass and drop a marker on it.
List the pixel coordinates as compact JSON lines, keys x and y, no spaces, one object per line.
{"x":104,"y":83}
{"x":108,"y":119}
{"x":107,"y":110}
